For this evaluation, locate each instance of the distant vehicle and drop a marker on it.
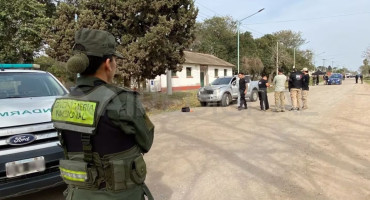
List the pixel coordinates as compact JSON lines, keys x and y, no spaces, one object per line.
{"x":335,"y":79}
{"x":349,"y":75}
{"x":29,"y":144}
{"x":224,"y":90}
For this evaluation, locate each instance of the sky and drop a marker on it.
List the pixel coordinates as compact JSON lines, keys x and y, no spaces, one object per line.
{"x":335,"y":30}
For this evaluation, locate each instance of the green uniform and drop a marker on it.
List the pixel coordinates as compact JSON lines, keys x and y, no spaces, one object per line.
{"x":90,"y":175}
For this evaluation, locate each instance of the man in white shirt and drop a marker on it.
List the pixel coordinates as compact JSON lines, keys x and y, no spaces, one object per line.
{"x":279,"y":82}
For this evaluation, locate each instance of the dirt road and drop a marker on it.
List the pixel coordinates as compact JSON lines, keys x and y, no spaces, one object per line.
{"x":225,"y":154}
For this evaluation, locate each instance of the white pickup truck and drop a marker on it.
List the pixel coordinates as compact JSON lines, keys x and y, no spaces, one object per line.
{"x":224,"y":90}
{"x":29,"y":144}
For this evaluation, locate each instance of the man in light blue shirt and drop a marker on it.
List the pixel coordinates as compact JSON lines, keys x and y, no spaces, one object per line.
{"x":279,"y":82}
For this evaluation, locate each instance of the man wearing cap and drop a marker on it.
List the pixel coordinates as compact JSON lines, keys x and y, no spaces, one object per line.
{"x":103,"y":129}
{"x":305,"y":87}
{"x":295,"y":88}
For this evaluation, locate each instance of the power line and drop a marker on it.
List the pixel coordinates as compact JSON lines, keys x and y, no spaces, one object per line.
{"x":216,"y":13}
{"x":204,"y":16}
{"x":310,"y":19}
{"x":245,"y":26}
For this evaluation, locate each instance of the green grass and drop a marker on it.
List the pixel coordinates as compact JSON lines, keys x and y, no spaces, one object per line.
{"x":161,"y":102}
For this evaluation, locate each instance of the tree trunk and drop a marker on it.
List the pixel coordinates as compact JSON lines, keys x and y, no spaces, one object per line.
{"x":270,"y":77}
{"x":144,"y":84}
{"x":138,"y":84}
{"x":127,"y":82}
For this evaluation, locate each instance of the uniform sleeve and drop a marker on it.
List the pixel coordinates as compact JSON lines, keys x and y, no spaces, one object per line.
{"x":127,"y":112}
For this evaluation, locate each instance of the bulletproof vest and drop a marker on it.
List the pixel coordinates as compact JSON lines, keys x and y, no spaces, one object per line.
{"x":81,"y":115}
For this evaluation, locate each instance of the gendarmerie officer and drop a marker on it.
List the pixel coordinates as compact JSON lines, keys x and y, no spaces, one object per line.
{"x":103,"y":129}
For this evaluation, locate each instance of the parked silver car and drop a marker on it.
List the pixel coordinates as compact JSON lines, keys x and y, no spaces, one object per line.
{"x":224,"y":90}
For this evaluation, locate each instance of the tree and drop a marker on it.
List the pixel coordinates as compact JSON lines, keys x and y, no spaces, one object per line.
{"x":330,"y":68}
{"x":291,"y":41}
{"x":366,"y":54}
{"x":151,"y":34}
{"x":266,"y":46}
{"x":365,"y":68}
{"x":218,"y":36}
{"x":289,"y":38}
{"x":252,"y":66}
{"x":21,"y":23}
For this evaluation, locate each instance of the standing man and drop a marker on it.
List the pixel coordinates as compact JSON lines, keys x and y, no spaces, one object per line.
{"x":305,"y":87}
{"x":103,"y":129}
{"x":279,"y":82}
{"x":262,"y":93}
{"x":313,"y":80}
{"x":295,"y":88}
{"x":361,"y":78}
{"x":356,"y":77}
{"x":243,"y":88}
{"x":317,"y":79}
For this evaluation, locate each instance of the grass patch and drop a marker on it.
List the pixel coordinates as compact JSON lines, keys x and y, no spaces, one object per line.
{"x":155,"y":103}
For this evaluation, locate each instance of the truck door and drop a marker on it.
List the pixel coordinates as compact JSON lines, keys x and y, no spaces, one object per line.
{"x":234,"y":88}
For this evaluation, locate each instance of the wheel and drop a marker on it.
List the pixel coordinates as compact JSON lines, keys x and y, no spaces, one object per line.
{"x":254,"y":96}
{"x":203,"y":104}
{"x":226,"y":99}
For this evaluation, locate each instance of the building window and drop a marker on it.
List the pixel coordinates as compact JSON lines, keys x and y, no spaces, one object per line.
{"x":173,"y":73}
{"x":225,"y":72}
{"x":188,"y":72}
{"x":216,"y":72}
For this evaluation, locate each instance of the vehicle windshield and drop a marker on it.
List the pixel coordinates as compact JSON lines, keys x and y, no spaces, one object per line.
{"x":221,"y":81}
{"x":335,"y":76}
{"x":21,"y":85}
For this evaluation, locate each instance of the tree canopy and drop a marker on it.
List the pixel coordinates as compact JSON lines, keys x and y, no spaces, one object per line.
{"x":151,"y":34}
{"x":21,"y":24}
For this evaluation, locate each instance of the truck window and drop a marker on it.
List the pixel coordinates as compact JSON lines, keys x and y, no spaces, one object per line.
{"x":20,"y":85}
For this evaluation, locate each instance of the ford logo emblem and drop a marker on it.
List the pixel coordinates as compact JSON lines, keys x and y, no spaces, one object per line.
{"x":21,"y":139}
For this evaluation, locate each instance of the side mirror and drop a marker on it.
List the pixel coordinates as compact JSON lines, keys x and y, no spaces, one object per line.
{"x":233,"y":83}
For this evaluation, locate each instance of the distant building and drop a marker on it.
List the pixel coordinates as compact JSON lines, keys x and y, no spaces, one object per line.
{"x":198,"y":70}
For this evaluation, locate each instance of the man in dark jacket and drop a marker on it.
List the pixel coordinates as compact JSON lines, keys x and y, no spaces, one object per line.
{"x":243,"y":88}
{"x":305,"y":87}
{"x":295,"y":88}
{"x":262,"y":93}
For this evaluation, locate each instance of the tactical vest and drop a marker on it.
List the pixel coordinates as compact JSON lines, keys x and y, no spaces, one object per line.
{"x":87,"y":170}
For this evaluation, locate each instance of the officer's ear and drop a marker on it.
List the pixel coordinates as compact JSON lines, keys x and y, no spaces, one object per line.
{"x":108,"y":64}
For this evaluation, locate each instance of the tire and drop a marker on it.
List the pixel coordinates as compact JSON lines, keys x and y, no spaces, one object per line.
{"x":254,"y":96}
{"x":226,"y":99}
{"x":203,"y":104}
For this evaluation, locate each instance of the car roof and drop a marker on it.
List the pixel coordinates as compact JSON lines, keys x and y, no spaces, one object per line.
{"x":21,"y":70}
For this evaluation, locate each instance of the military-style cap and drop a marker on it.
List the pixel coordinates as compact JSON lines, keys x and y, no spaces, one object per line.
{"x":97,"y":42}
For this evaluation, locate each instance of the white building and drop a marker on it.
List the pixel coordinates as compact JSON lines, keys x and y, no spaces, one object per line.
{"x":198,"y":70}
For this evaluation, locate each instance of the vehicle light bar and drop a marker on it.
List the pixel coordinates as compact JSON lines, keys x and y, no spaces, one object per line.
{"x":24,"y":66}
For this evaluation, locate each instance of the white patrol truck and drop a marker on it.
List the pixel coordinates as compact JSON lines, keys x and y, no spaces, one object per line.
{"x":29,"y":148}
